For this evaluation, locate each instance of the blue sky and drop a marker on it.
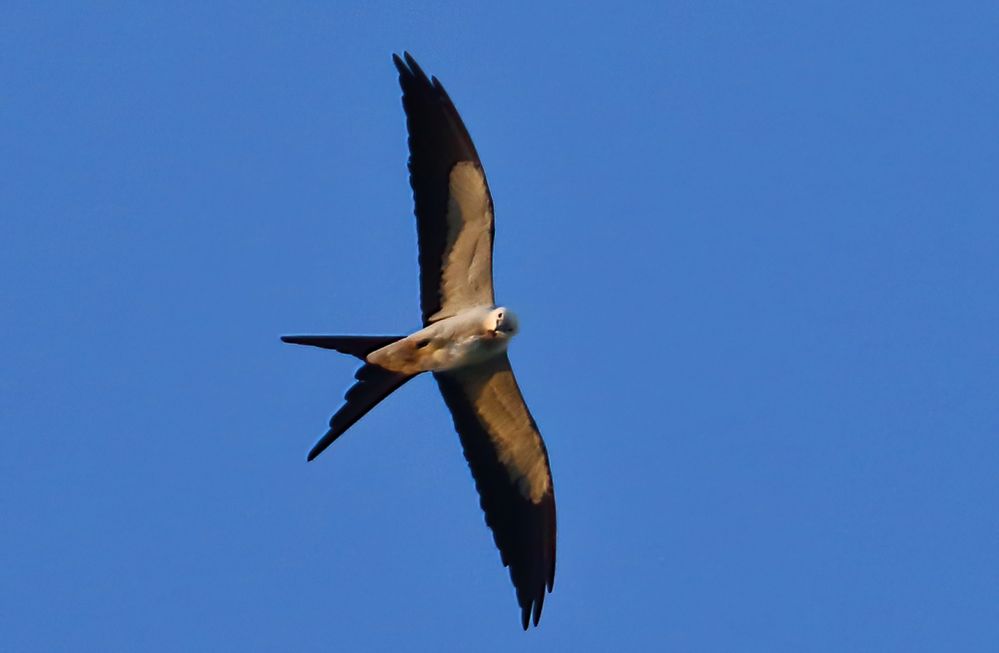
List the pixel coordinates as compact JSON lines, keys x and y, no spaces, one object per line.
{"x":754,"y":248}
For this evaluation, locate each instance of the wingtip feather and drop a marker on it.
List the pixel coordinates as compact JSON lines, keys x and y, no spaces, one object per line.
{"x":400,"y":65}
{"x":415,"y":69}
{"x":320,"y":446}
{"x":538,"y":603}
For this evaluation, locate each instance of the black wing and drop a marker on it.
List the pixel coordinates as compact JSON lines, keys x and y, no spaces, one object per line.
{"x":510,"y":465}
{"x":454,"y":211}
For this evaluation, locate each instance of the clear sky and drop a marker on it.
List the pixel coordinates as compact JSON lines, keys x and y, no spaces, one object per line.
{"x":754,"y":248}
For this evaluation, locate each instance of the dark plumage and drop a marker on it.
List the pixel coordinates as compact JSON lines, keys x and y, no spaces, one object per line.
{"x":437,"y":141}
{"x":524,"y":531}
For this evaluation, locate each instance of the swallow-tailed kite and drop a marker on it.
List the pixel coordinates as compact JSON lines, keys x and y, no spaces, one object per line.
{"x":462,"y":343}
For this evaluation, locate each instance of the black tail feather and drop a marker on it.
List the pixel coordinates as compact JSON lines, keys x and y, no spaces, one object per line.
{"x":359,"y":346}
{"x":374,"y":383}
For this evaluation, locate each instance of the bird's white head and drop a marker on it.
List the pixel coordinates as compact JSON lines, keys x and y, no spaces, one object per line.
{"x":502,"y":322}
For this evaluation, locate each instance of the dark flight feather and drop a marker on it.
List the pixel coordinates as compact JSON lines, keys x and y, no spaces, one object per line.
{"x":438,"y":140}
{"x":524,"y":530}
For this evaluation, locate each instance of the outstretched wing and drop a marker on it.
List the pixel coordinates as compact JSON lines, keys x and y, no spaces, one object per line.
{"x":454,"y":211}
{"x":510,"y":465}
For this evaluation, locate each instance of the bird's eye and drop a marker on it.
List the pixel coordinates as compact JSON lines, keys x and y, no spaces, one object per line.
{"x":499,"y":316}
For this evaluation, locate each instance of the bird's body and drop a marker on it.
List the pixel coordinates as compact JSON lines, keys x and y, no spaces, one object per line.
{"x":466,"y":338}
{"x":463,"y":343}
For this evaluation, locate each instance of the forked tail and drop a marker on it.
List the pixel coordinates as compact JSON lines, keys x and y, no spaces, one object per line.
{"x":374,"y":383}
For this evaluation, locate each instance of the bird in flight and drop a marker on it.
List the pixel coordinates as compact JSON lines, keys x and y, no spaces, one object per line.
{"x":463,"y":342}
